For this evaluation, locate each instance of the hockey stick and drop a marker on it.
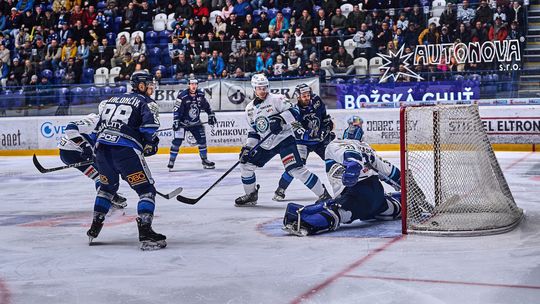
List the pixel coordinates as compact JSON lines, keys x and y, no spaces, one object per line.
{"x":172,"y":194}
{"x":193,"y":201}
{"x":188,"y":126}
{"x":45,"y":170}
{"x":385,"y":178}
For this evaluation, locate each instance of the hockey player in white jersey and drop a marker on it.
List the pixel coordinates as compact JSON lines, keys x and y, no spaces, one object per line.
{"x":77,"y":145}
{"x":354,"y":170}
{"x":271,"y":114}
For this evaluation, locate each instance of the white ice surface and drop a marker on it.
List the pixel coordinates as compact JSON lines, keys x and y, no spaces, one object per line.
{"x":217,"y":253}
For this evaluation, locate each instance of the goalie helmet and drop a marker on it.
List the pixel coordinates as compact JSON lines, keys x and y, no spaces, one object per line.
{"x":354,"y":130}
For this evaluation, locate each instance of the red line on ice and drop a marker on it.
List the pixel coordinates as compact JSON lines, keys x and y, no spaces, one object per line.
{"x":4,"y":293}
{"x":441,"y":281}
{"x":312,"y":291}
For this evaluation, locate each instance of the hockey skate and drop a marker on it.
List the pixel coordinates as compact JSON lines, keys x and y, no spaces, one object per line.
{"x":279,"y":195}
{"x":208,"y":164}
{"x":248,"y":200}
{"x":95,"y":228}
{"x":118,"y":202}
{"x":170,"y":165}
{"x":150,"y":240}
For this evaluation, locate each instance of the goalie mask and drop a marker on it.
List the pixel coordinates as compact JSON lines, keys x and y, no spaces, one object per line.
{"x":260,"y":84}
{"x":354,"y":130}
{"x":303,"y":94}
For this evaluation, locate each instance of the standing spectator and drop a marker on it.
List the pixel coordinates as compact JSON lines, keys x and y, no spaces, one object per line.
{"x":484,"y":14}
{"x":216,"y":65}
{"x":122,"y":47}
{"x":449,"y":18}
{"x":516,"y":13}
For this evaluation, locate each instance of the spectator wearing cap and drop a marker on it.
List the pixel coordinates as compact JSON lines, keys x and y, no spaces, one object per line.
{"x":89,"y":15}
{"x":17,"y":68}
{"x":446,"y":35}
{"x":69,"y":50}
{"x":466,"y":14}
{"x":241,"y":9}
{"x":144,"y":15}
{"x":53,"y":55}
{"x":126,"y":68}
{"x":199,"y":10}
{"x":13,"y":21}
{"x":280,"y":24}
{"x":263,"y":24}
{"x":122,"y":47}
{"x":499,"y":31}
{"x":216,"y":65}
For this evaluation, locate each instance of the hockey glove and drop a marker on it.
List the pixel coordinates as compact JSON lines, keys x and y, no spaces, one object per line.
{"x":245,"y":154}
{"x":176,"y":125}
{"x":276,"y":124}
{"x":151,"y":148}
{"x":328,"y":138}
{"x":212,"y":119}
{"x":351,"y":174}
{"x":87,"y":152}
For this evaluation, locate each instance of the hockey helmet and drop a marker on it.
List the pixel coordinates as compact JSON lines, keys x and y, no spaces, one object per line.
{"x":259,"y":80}
{"x":354,"y":130}
{"x":141,"y":76}
{"x":301,"y":89}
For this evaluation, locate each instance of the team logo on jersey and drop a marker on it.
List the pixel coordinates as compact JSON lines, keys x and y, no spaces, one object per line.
{"x":236,"y":94}
{"x":137,"y":178}
{"x":261,"y":124}
{"x":194,"y":111}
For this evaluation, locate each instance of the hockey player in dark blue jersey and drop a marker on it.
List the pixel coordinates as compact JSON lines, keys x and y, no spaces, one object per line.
{"x":77,"y":145}
{"x":313,"y":131}
{"x":126,"y":134}
{"x":354,"y":170}
{"x":186,"y":117}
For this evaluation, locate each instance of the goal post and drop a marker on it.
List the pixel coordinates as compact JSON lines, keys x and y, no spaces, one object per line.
{"x":451,"y":181}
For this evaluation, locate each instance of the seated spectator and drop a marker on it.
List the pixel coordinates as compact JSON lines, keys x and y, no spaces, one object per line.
{"x":446,"y":36}
{"x":69,"y":51}
{"x":4,"y":70}
{"x":144,"y":17}
{"x":183,"y":67}
{"x":449,"y":18}
{"x":12,"y":82}
{"x":264,"y":63}
{"x":279,"y":68}
{"x":106,"y":54}
{"x":217,"y":5}
{"x":342,"y":62}
{"x":227,"y":10}
{"x":122,"y":47}
{"x":200,"y":63}
{"x":248,"y":24}
{"x":499,"y":13}
{"x":158,"y":76}
{"x":417,"y":16}
{"x":138,"y":47}
{"x":126,"y":68}
{"x":143,"y":63}
{"x":280,"y":24}
{"x":183,"y":13}
{"x":294,"y":64}
{"x":305,"y":22}
{"x":220,"y":25}
{"x":498,"y":31}
{"x":402,"y":22}
{"x":202,"y":28}
{"x":129,"y":17}
{"x":71,"y":75}
{"x":215,"y":65}
{"x":329,"y":44}
{"x":479,"y":33}
{"x":241,"y":9}
{"x":338,"y":23}
{"x":466,"y":14}
{"x":199,"y":10}
{"x":238,"y":73}
{"x":5,"y":54}
{"x":429,"y":35}
{"x":53,"y":55}
{"x":263,"y":24}
{"x":363,"y":39}
{"x":463,"y":34}
{"x":484,"y":14}
{"x":83,"y":52}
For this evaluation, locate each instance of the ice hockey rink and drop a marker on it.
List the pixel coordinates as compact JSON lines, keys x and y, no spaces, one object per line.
{"x":218,"y":253}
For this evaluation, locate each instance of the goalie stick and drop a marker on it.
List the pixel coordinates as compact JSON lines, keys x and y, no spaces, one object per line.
{"x":385,"y":178}
{"x":193,"y":201}
{"x":41,"y":169}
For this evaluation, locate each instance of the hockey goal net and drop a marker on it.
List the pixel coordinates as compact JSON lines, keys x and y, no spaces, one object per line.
{"x":451,"y":181}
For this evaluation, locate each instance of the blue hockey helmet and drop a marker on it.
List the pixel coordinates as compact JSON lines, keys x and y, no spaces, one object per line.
{"x":141,"y":76}
{"x":354,"y":130}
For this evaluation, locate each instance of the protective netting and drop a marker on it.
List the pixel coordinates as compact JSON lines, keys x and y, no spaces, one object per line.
{"x":453,"y":181}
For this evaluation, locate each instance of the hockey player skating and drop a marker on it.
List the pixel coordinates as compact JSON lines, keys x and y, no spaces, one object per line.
{"x":126,"y":134}
{"x":186,"y":117}
{"x":271,"y":114}
{"x":352,"y":167}
{"x":313,"y":131}
{"x":77,"y":145}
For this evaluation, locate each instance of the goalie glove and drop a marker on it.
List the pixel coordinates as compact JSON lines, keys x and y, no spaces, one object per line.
{"x":351,"y":174}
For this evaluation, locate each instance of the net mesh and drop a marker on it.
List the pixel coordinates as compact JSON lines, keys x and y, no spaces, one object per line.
{"x":454,"y":182}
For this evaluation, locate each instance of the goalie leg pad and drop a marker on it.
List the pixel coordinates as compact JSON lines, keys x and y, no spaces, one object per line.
{"x":393,"y":211}
{"x":312,"y":219}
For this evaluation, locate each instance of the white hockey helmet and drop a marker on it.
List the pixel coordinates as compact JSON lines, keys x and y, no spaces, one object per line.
{"x":259,"y":80}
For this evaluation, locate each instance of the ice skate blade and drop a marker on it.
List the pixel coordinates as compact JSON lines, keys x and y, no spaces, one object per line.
{"x":291,"y":229}
{"x":209,"y":167}
{"x":278,"y":198}
{"x":250,"y":204}
{"x":90,"y":239}
{"x":151,"y":245}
